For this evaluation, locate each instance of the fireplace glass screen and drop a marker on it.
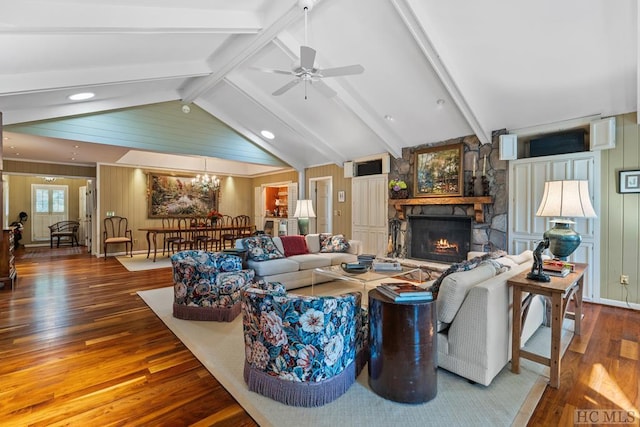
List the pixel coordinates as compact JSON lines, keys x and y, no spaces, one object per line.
{"x":439,"y":238}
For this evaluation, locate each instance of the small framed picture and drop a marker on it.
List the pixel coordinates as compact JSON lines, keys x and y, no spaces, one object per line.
{"x":341,"y":196}
{"x":629,"y":181}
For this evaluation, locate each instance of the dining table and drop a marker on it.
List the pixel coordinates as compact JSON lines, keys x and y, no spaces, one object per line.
{"x":152,"y":234}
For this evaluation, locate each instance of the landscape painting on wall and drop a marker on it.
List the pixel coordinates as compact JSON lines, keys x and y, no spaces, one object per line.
{"x":438,"y":171}
{"x":171,"y":196}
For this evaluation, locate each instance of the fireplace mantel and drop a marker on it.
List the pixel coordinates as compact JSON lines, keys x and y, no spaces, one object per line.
{"x":477,"y":203}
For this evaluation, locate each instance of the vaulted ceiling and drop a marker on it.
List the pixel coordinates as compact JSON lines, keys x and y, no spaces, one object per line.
{"x":433,"y":70}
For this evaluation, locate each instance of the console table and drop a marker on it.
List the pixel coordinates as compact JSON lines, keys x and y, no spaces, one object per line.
{"x":560,"y":290}
{"x":403,"y":360}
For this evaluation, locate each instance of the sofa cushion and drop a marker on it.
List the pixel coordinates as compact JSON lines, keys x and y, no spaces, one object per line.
{"x":310,"y":261}
{"x":274,"y":266}
{"x":335,"y":243}
{"x":294,"y":245}
{"x":337,"y":258}
{"x":261,"y":248}
{"x":455,"y":286}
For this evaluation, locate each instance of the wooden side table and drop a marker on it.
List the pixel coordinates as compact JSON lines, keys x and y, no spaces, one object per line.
{"x":559,"y":290}
{"x":403,"y":360}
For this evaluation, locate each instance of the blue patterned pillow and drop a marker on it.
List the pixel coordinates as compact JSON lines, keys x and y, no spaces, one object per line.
{"x":336,"y":243}
{"x":261,"y":248}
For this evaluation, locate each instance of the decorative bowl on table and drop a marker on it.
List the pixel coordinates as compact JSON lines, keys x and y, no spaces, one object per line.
{"x":355,"y":268}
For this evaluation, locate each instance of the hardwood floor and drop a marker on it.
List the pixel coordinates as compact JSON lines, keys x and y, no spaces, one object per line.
{"x":79,"y":347}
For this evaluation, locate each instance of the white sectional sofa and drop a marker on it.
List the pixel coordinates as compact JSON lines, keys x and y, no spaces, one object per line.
{"x":295,"y":271}
{"x":475,"y":318}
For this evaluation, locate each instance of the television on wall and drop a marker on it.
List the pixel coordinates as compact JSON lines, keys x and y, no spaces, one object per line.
{"x":558,"y":143}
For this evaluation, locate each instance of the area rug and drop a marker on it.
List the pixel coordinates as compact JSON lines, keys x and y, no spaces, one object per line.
{"x":140,"y":262}
{"x":509,"y":400}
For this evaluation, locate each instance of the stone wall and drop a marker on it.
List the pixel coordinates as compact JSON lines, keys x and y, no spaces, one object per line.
{"x":487,"y":236}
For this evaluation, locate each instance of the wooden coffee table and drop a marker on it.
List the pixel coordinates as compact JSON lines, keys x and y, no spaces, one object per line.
{"x":403,"y":350}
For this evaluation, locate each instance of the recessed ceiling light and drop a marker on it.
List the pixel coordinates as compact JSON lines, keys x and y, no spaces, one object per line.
{"x":267,"y":134}
{"x":440,"y":103}
{"x":81,"y":96}
{"x":389,"y":118}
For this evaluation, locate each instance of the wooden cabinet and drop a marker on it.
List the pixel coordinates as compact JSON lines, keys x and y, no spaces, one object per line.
{"x":7,"y":260}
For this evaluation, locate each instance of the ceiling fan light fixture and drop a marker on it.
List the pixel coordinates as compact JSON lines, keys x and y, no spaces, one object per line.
{"x":267,"y":134}
{"x":82,"y":96}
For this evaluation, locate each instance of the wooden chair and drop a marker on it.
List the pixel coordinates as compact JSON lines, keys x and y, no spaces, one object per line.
{"x":185,"y":238}
{"x":227,"y":235}
{"x":242,"y":226}
{"x":169,"y":237}
{"x":205,"y":237}
{"x":116,"y":231}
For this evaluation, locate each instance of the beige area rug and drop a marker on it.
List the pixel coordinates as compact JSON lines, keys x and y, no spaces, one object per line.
{"x":140,"y":262}
{"x":509,"y":400}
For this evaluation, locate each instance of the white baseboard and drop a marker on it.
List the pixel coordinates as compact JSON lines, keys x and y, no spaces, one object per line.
{"x":617,"y":303}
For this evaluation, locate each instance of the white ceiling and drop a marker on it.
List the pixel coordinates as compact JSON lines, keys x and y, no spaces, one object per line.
{"x":495,"y":64}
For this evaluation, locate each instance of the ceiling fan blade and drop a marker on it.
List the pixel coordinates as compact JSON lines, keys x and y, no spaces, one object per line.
{"x":323,"y":88}
{"x":269,"y":70}
{"x":307,"y":57}
{"x":286,"y":87}
{"x":342,"y":71}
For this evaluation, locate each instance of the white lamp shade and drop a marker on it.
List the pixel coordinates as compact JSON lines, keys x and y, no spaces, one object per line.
{"x":304,"y":209}
{"x":566,"y":199}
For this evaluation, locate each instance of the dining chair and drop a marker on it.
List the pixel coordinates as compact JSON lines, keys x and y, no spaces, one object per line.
{"x":116,"y":231}
{"x":168,"y":238}
{"x":227,"y":233}
{"x":242,"y":226}
{"x":204,"y":236}
{"x":185,"y":239}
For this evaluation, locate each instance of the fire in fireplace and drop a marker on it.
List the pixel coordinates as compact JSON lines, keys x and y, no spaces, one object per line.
{"x":439,"y":238}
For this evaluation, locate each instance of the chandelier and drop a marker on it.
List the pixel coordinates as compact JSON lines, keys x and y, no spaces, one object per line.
{"x":205,"y":182}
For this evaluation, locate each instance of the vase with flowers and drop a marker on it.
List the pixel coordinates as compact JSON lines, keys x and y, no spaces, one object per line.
{"x":398,"y":189}
{"x":214,"y":216}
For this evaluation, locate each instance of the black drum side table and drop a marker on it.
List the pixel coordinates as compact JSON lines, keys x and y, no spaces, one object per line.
{"x":403,"y":358}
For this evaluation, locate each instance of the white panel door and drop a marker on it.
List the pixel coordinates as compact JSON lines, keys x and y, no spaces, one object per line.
{"x":369,"y":208}
{"x":49,"y":204}
{"x":526,"y":185}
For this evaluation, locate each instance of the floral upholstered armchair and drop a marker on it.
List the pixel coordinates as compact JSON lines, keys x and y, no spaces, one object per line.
{"x":302,"y":350}
{"x":207,"y":285}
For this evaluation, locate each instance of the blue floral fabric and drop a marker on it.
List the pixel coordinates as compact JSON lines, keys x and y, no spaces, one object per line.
{"x":261,"y":248}
{"x":301,"y":338}
{"x":333,"y":243}
{"x":207,"y":279}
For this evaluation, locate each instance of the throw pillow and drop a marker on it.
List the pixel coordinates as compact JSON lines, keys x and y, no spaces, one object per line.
{"x":294,"y":245}
{"x":336,"y":243}
{"x":261,"y":248}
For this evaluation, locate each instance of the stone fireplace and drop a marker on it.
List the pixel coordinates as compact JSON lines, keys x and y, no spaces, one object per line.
{"x":439,"y":238}
{"x":485,"y":206}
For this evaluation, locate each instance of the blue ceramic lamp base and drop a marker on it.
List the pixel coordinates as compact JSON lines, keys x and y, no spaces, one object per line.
{"x":563,"y":240}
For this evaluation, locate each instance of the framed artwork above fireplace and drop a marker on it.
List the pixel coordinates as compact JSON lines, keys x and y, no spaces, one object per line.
{"x":438,"y":171}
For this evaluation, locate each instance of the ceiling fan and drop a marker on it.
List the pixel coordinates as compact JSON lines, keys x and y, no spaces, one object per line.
{"x":306,"y":72}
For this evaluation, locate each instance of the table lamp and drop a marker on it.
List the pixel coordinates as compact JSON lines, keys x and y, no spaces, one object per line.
{"x":304,"y":211}
{"x":564,"y":200}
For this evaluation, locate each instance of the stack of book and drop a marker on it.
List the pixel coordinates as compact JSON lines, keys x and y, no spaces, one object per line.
{"x":366,"y":259}
{"x":405,"y":292}
{"x":386,"y":266}
{"x":557,"y":268}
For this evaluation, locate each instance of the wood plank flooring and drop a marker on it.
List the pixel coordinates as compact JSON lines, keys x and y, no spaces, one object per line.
{"x":79,"y":347}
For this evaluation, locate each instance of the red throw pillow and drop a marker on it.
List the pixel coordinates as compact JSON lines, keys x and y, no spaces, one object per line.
{"x":294,"y":245}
